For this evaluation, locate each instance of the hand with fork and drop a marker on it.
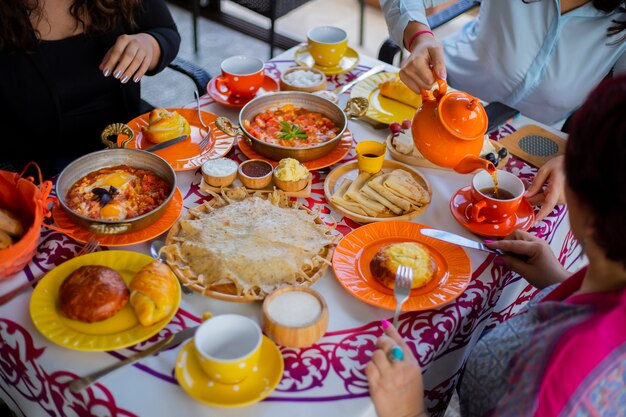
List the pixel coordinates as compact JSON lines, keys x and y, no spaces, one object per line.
{"x":90,"y":246}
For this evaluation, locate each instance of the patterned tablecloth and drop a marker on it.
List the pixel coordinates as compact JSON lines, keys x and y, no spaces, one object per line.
{"x":325,"y":379}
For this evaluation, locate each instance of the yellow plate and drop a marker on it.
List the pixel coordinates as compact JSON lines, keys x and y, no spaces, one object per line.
{"x":382,"y":109}
{"x":263,"y":380}
{"x":303,"y":57}
{"x":121,"y":330}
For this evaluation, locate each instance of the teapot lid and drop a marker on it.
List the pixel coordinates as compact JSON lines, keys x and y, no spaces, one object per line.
{"x":462,"y":115}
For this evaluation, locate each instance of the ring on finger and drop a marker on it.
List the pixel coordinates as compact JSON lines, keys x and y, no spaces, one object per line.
{"x":395,"y":354}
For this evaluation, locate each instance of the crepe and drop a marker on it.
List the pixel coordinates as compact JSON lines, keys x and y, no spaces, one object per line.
{"x":377,"y":185}
{"x":395,"y":89}
{"x":404,"y":185}
{"x":339,"y":199}
{"x":252,"y":244}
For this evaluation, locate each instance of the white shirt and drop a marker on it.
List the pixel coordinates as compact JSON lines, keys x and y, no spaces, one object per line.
{"x":528,"y":56}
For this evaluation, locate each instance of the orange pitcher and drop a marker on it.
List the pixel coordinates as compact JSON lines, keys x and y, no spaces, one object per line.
{"x":449,"y":128}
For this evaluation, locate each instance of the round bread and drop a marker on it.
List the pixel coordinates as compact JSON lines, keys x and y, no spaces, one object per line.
{"x":93,"y":293}
{"x":412,"y":254}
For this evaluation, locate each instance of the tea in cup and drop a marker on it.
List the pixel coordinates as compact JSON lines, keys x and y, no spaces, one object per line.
{"x":495,"y":201}
{"x":371,"y":156}
{"x":327,"y":45}
{"x":228,"y":347}
{"x":242,"y":76}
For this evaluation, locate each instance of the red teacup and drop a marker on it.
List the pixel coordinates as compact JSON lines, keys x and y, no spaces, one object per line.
{"x":242,"y":76}
{"x":488,"y":208}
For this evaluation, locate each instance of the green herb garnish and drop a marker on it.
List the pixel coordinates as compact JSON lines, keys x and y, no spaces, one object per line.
{"x":291,"y":131}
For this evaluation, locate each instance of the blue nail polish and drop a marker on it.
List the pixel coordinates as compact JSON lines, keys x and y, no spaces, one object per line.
{"x":118,"y":74}
{"x":107,"y":72}
{"x":124,"y":80}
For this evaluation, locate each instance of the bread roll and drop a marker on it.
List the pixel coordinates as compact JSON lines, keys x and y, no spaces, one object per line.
{"x":384,"y":264}
{"x":164,"y":125}
{"x":5,"y":240}
{"x":153,"y":293}
{"x":92,"y":293}
{"x":10,"y":224}
{"x":395,"y":89}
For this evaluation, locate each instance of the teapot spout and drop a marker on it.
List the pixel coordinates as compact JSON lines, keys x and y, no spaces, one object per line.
{"x":471,"y":163}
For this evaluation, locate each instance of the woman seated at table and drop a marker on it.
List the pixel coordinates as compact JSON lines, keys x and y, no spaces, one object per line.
{"x":564,"y":355}
{"x":528,"y":54}
{"x":68,"y":68}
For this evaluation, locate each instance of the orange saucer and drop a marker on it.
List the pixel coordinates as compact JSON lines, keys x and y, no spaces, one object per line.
{"x":336,"y":155}
{"x":269,"y":85}
{"x":157,"y":228}
{"x":461,"y":204}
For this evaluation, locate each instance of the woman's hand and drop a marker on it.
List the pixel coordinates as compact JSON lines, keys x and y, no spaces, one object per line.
{"x":396,"y":387}
{"x":131,"y":57}
{"x":552,"y":175}
{"x":426,"y":57}
{"x":532,"y":258}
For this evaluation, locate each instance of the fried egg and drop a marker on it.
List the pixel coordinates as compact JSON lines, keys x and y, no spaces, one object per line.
{"x":119,"y":179}
{"x":113,"y":211}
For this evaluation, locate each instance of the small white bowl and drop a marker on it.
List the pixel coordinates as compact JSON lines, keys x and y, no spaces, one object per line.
{"x":220,"y":172}
{"x":285,"y":85}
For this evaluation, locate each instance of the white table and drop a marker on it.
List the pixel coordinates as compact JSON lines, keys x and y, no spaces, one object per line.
{"x":326,"y":379}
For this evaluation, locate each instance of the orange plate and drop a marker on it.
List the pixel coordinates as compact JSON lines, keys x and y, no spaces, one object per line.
{"x":336,"y":155}
{"x":461,"y":204}
{"x":355,"y":251}
{"x":269,"y":85}
{"x":162,"y":225}
{"x":187,"y":154}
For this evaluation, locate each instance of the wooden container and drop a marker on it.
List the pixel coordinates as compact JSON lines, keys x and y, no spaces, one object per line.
{"x":287,"y":86}
{"x":225,"y":179}
{"x":294,"y":336}
{"x":254,"y":181}
{"x":291,"y":186}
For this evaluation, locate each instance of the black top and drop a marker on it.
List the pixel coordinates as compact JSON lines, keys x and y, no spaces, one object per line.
{"x":55,"y":101}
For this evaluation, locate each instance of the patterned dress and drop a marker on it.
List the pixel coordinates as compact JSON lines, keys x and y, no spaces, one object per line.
{"x":564,"y":355}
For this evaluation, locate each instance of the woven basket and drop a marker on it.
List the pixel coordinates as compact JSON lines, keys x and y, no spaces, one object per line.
{"x":22,"y":197}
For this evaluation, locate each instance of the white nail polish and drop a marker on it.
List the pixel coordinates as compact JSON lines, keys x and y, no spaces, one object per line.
{"x":124,"y":80}
{"x":118,"y":74}
{"x":137,"y":79}
{"x":107,"y":72}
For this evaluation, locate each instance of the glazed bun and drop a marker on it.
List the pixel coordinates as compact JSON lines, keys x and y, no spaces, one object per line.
{"x":93,"y":293}
{"x":384,"y":264}
{"x":164,"y":125}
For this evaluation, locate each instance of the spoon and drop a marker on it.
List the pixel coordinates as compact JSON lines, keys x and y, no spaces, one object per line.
{"x":155,"y":251}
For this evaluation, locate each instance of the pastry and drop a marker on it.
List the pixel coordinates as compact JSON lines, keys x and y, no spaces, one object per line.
{"x":395,"y":89}
{"x":92,"y":293}
{"x":153,"y":293}
{"x":164,"y":125}
{"x":5,"y":240}
{"x":384,"y":264}
{"x":10,"y":224}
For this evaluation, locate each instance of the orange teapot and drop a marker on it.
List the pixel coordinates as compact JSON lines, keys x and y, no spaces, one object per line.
{"x":449,"y":128}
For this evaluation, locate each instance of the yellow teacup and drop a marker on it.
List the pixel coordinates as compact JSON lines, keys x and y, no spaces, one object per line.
{"x":228,"y":347}
{"x":371,"y":156}
{"x":327,"y":45}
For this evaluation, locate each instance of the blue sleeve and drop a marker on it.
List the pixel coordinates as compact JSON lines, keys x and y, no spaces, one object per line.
{"x":398,"y":14}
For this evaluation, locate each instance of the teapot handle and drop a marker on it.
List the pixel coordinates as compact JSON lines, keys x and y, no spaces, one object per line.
{"x":440,"y":92}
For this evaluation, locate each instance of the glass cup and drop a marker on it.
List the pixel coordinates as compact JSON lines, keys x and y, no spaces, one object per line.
{"x":327,"y":45}
{"x":488,"y":208}
{"x":242,"y":76}
{"x":371,"y":156}
{"x":228,"y":347}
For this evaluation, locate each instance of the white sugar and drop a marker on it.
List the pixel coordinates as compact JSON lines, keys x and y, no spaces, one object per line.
{"x":295,"y":309}
{"x":303,"y":78}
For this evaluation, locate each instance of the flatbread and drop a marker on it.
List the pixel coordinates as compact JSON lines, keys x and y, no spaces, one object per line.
{"x":377,"y":185}
{"x":404,"y":185}
{"x":369,"y":192}
{"x":338,"y":199}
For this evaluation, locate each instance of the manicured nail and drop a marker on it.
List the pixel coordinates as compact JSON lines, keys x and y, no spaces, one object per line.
{"x":488,"y":241}
{"x":385,"y":324}
{"x":498,"y":261}
{"x":118,"y":74}
{"x":443,"y":74}
{"x":137,"y":79}
{"x":107,"y":72}
{"x":124,"y":79}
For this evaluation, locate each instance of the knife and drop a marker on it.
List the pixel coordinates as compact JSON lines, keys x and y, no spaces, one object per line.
{"x":165,"y":144}
{"x":458,"y":240}
{"x":372,"y":71}
{"x":81,"y":383}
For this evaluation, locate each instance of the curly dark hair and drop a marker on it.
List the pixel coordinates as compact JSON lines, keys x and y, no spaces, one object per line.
{"x":16,"y":30}
{"x":594,"y":163}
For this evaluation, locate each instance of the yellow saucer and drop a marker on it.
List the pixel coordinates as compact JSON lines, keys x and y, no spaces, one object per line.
{"x":119,"y":331}
{"x":263,"y":380}
{"x":382,"y":109}
{"x":303,"y":57}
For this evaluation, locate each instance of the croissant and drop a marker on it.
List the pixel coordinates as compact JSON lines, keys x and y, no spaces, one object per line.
{"x":164,"y":125}
{"x":153,"y":293}
{"x":395,"y":89}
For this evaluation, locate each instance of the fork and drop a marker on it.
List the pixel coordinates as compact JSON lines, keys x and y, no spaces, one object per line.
{"x":90,"y":246}
{"x":401,"y":289}
{"x":207,"y":138}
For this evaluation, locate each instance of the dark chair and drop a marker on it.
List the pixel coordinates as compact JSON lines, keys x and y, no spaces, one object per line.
{"x":388,"y":50}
